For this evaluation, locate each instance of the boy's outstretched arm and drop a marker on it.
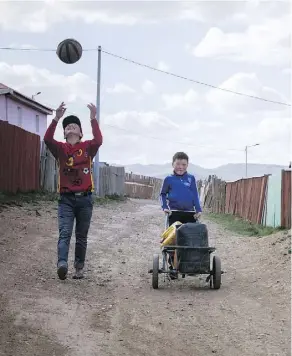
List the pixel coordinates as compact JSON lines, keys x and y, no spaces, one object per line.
{"x":163,"y":194}
{"x":196,"y":195}
{"x":97,"y":140}
{"x":49,"y":140}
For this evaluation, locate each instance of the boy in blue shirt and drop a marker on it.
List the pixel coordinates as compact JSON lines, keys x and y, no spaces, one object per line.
{"x":179,"y":192}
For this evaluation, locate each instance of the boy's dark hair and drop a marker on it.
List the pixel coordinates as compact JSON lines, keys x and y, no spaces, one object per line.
{"x":180,"y":155}
{"x":71,"y":119}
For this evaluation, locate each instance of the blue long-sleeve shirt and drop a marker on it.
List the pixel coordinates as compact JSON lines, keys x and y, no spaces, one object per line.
{"x":180,"y":193}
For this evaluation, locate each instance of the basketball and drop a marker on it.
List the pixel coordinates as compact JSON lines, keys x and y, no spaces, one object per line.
{"x":69,"y":51}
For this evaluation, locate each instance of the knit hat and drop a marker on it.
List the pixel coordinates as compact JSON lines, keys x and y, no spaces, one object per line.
{"x":71,"y":119}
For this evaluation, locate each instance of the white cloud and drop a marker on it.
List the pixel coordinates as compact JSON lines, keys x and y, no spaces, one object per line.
{"x":151,"y":137}
{"x":142,"y":131}
{"x":58,"y":87}
{"x":183,"y":101}
{"x":40,"y":16}
{"x":274,"y":136}
{"x":148,"y":87}
{"x":163,"y":66}
{"x":120,"y":88}
{"x":247,"y":83}
{"x":26,"y":46}
{"x":274,"y":128}
{"x":214,"y":124}
{"x":189,"y":48}
{"x":140,"y":122}
{"x":32,"y":16}
{"x":287,"y":71}
{"x":265,"y":43}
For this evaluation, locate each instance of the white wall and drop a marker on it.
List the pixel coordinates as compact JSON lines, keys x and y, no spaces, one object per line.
{"x":20,"y":115}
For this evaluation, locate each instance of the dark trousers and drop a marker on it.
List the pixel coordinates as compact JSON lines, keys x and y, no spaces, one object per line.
{"x":179,"y":216}
{"x":72,"y":208}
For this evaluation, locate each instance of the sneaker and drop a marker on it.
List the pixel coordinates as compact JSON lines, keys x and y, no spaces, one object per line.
{"x":173,"y":274}
{"x":62,"y":271}
{"x":79,"y":274}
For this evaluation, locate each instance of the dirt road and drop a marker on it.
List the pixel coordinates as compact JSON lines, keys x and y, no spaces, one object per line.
{"x":114,"y":311}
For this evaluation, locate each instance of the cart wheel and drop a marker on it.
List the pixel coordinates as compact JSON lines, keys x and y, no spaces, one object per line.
{"x":155,"y":272}
{"x":216,"y":273}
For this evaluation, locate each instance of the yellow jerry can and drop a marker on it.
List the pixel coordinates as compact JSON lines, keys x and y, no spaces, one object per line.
{"x":168,"y":236}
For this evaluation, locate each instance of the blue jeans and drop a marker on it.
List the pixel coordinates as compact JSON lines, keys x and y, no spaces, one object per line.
{"x":73,"y":207}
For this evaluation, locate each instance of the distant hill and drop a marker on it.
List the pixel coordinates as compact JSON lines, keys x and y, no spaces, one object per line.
{"x":228,"y":172}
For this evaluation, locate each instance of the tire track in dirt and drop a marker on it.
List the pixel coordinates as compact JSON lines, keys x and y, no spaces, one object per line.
{"x":183,"y":315}
{"x":114,"y":311}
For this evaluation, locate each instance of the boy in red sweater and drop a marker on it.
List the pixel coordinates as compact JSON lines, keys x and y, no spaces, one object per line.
{"x":75,"y":185}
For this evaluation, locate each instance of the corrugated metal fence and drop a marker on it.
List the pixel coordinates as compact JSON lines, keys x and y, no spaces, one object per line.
{"x":254,"y":199}
{"x":20,"y":159}
{"x":246,"y":198}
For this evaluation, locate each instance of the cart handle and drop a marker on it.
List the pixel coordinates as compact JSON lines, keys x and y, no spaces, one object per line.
{"x":166,"y":225}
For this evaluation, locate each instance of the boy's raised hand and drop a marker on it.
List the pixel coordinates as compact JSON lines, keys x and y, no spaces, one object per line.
{"x":60,"y":111}
{"x":92,"y":109}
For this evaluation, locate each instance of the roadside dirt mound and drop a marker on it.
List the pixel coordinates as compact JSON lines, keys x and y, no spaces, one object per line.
{"x":115,"y":312}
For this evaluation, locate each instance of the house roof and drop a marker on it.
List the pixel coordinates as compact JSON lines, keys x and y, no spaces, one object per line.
{"x":25,"y":100}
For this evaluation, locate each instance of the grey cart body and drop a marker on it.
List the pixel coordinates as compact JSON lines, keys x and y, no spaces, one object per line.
{"x":192,"y":252}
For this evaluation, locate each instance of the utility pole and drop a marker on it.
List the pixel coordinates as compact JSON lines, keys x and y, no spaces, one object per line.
{"x":96,"y":161}
{"x":246,"y":147}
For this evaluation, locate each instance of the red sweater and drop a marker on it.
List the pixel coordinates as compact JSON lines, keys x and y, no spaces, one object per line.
{"x":75,"y":161}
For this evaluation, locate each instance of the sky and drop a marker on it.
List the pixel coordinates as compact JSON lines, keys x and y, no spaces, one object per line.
{"x":146,"y":115}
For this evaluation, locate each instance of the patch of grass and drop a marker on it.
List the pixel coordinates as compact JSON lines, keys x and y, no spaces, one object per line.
{"x":241,"y":226}
{"x":109,"y":199}
{"x":32,"y":197}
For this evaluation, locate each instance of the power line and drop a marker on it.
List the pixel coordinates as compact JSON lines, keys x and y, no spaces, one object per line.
{"x":180,"y":143}
{"x":183,"y":143}
{"x":192,"y":80}
{"x":28,"y":49}
{"x":157,"y":70}
{"x":161,"y":139}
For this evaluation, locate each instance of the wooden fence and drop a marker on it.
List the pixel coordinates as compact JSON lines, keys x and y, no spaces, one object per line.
{"x":48,"y":170}
{"x":212,"y":194}
{"x":143,"y":187}
{"x":20,"y":159}
{"x":111,"y":181}
{"x":246,"y":198}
